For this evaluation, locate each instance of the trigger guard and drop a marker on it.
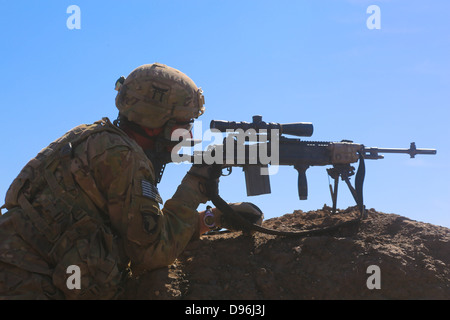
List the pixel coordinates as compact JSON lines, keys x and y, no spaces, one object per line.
{"x":229,"y":169}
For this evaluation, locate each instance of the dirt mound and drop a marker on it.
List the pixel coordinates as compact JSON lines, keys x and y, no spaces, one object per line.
{"x":386,"y":257}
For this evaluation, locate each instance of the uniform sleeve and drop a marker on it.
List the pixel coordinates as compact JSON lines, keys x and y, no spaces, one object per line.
{"x":152,"y":237}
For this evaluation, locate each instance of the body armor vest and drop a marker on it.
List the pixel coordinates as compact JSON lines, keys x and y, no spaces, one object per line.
{"x":57,"y":210}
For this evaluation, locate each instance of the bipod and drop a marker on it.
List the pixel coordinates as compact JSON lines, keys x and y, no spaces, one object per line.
{"x":345,"y":171}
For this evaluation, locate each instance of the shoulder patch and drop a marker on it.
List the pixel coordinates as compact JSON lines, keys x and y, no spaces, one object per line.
{"x":149,"y":190}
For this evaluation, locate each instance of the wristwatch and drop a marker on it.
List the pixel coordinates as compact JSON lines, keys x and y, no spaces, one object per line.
{"x":209,"y":218}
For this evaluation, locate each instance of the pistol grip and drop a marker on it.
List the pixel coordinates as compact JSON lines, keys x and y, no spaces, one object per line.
{"x":302,"y":181}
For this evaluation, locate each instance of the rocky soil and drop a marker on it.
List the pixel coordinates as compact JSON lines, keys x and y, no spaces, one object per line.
{"x":413,"y":260}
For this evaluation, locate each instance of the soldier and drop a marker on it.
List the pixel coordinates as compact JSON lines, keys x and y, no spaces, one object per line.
{"x":89,"y":200}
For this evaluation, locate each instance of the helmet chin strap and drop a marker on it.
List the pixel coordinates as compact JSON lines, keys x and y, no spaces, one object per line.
{"x":156,"y":147}
{"x":159,"y":161}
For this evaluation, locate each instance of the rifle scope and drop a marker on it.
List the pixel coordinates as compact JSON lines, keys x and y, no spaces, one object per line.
{"x":299,"y":129}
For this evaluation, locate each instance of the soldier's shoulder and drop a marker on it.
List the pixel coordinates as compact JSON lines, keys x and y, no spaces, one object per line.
{"x":106,"y":137}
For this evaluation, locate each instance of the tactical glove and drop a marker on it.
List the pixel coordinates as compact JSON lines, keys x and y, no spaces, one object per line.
{"x":199,"y":185}
{"x":214,"y":219}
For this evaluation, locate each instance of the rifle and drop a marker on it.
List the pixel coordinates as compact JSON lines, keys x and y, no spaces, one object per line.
{"x":250,"y":146}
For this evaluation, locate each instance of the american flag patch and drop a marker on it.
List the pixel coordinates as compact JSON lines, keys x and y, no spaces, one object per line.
{"x":149,"y":190}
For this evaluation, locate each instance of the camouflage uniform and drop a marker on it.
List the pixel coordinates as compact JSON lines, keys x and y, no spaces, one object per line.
{"x":89,"y":200}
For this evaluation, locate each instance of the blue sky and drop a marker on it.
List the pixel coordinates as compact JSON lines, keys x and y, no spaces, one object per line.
{"x":289,"y":61}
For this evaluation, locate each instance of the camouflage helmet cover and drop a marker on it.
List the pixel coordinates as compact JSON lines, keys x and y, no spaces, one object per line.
{"x":154,"y":93}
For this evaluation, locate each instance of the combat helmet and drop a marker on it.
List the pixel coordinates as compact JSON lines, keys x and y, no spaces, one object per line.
{"x":153,"y":94}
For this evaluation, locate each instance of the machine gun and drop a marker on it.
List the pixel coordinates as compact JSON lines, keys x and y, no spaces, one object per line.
{"x":250,"y":145}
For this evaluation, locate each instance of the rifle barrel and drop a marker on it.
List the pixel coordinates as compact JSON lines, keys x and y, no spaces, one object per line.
{"x":374,"y":152}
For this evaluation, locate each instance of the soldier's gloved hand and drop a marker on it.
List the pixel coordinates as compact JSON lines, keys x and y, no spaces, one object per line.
{"x":213,"y":218}
{"x":199,"y":185}
{"x":208,"y":179}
